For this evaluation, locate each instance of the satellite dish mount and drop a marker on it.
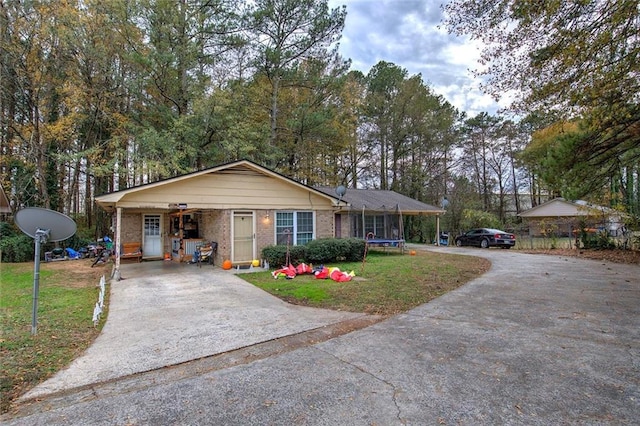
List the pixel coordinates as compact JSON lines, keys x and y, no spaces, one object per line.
{"x":42,"y":225}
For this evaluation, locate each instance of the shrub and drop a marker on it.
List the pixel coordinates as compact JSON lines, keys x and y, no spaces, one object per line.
{"x":355,"y":249}
{"x":18,"y":248}
{"x":7,"y":230}
{"x":276,"y":255}
{"x":325,"y":250}
{"x":597,"y":241}
{"x":479,"y":219}
{"x":329,"y":250}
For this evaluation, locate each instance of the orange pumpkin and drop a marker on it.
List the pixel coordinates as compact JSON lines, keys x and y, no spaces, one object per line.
{"x":226,"y":264}
{"x":412,"y":252}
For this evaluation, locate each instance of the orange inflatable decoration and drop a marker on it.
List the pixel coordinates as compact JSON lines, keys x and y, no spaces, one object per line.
{"x":226,"y":264}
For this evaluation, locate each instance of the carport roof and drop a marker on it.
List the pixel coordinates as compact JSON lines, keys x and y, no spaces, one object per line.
{"x":241,"y":167}
{"x":377,"y":200}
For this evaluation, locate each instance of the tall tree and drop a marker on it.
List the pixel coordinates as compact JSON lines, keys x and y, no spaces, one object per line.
{"x":383,"y":86}
{"x":35,"y":65}
{"x":347,"y":124}
{"x":478,"y":137}
{"x":311,"y":130}
{"x":576,"y":58}
{"x":284,"y":33}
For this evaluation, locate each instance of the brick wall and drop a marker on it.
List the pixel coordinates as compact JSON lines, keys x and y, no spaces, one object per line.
{"x":324,"y":224}
{"x":131,"y":229}
{"x":265,"y":230}
{"x":215,"y":225}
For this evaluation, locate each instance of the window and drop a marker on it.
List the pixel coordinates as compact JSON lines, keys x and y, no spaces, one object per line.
{"x":375,"y":225}
{"x":295,"y":228}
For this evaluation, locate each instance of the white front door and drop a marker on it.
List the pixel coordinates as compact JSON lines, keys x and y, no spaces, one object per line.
{"x":243,"y":237}
{"x":152,"y":245}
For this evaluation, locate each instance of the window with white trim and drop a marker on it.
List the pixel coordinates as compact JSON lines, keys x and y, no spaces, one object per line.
{"x":374,"y":224}
{"x":294,"y":228}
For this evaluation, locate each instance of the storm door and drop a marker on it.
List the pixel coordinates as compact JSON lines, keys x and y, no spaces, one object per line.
{"x":243,"y":237}
{"x":152,"y":245}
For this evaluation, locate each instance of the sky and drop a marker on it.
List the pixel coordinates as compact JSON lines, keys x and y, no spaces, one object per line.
{"x":406,"y":33}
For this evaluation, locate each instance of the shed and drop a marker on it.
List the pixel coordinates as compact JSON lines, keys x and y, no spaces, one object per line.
{"x":5,"y":206}
{"x":564,"y":217}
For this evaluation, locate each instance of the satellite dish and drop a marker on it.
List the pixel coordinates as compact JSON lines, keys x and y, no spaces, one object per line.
{"x":341,"y":190}
{"x":34,"y":219}
{"x":42,"y":225}
{"x":444,"y":202}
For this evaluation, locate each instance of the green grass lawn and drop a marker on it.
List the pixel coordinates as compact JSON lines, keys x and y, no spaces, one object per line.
{"x":64,"y":322}
{"x":388,"y":284}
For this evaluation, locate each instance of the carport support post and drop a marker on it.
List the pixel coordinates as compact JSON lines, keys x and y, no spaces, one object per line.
{"x":116,"y":273}
{"x":438,"y":230}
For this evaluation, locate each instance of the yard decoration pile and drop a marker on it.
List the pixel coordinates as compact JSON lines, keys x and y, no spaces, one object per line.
{"x":321,"y":272}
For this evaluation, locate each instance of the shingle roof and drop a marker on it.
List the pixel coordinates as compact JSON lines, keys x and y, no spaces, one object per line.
{"x":382,"y":200}
{"x":559,"y":207}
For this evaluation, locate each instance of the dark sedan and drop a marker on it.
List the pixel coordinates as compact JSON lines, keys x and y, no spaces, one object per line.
{"x":486,"y":237}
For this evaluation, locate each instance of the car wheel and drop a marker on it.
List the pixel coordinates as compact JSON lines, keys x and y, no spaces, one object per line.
{"x":458,"y":243}
{"x":484,"y":243}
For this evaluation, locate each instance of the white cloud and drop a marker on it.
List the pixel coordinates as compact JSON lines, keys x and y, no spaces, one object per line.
{"x":406,"y":33}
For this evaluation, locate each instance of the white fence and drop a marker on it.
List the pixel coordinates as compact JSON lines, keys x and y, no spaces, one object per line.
{"x":97,"y":310}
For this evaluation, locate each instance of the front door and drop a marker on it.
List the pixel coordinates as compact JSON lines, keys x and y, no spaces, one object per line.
{"x":243,"y":237}
{"x":152,"y":245}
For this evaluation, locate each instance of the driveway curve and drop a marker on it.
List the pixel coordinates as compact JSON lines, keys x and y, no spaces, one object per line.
{"x":167,"y":314}
{"x":537,"y":340}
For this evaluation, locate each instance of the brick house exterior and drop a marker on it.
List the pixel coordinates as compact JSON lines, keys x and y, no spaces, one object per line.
{"x":241,"y":206}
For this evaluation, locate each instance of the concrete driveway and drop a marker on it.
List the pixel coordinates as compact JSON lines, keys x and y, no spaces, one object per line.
{"x":537,"y":340}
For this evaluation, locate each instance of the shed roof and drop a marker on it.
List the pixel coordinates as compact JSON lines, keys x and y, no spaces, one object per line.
{"x":377,"y":200}
{"x":559,"y":207}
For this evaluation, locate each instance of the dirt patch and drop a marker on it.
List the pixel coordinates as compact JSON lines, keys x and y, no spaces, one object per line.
{"x":630,"y":257}
{"x":79,"y":273}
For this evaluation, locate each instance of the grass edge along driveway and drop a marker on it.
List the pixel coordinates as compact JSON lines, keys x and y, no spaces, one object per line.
{"x":388,"y":284}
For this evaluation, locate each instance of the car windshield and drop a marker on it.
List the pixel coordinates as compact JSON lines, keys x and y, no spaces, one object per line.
{"x":496,"y":231}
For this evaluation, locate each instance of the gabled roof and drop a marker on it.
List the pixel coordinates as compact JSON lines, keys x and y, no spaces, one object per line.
{"x":235,"y":168}
{"x":377,"y":200}
{"x":559,"y":207}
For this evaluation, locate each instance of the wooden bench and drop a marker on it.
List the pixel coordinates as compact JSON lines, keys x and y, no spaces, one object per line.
{"x":131,"y":251}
